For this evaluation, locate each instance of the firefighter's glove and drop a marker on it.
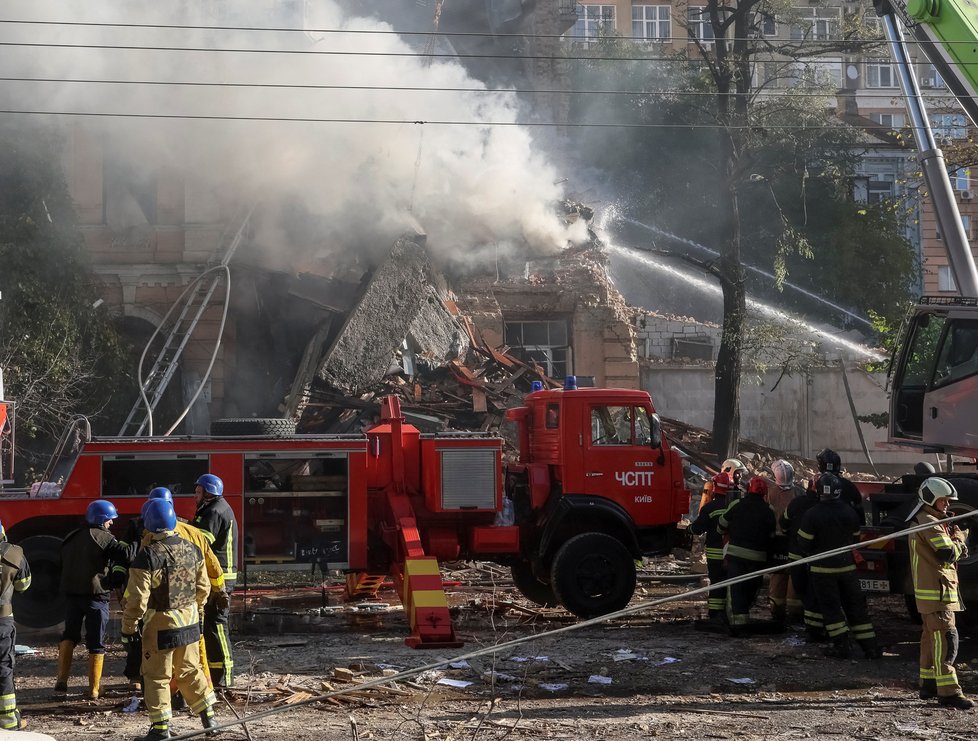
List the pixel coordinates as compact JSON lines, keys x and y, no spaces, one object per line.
{"x":128,"y":638}
{"x":220,"y":599}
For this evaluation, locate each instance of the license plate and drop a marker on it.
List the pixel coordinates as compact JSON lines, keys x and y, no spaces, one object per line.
{"x":875,"y":585}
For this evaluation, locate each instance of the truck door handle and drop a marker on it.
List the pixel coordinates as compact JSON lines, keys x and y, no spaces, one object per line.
{"x":593,"y":474}
{"x":933,"y":412}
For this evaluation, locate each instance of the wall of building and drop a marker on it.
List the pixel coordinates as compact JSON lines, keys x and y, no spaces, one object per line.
{"x":799,"y":414}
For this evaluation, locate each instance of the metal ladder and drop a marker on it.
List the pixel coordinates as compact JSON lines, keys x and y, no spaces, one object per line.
{"x":181,"y":328}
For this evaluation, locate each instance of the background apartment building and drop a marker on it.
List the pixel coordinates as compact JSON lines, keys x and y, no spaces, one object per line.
{"x":867,"y":95}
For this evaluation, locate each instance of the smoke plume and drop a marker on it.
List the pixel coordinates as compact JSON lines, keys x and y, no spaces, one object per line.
{"x":468,"y":185}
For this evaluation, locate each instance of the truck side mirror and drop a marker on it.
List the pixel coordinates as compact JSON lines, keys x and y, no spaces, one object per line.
{"x":655,"y":433}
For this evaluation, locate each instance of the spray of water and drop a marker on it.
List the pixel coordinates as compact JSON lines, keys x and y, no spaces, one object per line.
{"x":650,"y":262}
{"x":613,"y":214}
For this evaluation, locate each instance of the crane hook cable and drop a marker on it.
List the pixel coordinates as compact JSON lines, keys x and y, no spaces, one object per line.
{"x":624,"y":612}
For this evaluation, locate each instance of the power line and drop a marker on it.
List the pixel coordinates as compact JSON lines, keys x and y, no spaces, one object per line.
{"x":378,"y":32}
{"x":780,"y":93}
{"x":674,"y":59}
{"x":391,"y":121}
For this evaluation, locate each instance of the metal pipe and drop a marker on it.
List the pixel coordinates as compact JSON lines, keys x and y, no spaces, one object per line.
{"x":932,"y":163}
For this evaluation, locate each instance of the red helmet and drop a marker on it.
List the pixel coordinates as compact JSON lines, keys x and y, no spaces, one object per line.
{"x":757,"y":486}
{"x":722,"y":483}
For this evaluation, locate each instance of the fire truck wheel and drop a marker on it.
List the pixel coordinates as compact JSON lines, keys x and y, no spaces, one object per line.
{"x":532,"y":588}
{"x":593,"y":574}
{"x":42,"y":605}
{"x":258,"y":426}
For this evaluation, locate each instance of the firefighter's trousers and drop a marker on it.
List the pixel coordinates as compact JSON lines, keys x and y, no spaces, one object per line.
{"x":217,"y":639}
{"x":182,"y":664}
{"x":8,"y":699}
{"x":938,"y":650}
{"x":716,"y":602}
{"x":801,"y":581}
{"x":843,"y":606}
{"x":93,"y":611}
{"x":741,"y":596}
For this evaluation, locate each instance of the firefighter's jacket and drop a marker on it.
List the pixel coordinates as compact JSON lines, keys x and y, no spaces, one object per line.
{"x":829,"y":525}
{"x":707,"y":522}
{"x":215,"y":573}
{"x":215,"y":518}
{"x":167,"y":590}
{"x":934,"y":554}
{"x":791,"y":519}
{"x":85,"y":557}
{"x":15,"y":576}
{"x":749,"y":526}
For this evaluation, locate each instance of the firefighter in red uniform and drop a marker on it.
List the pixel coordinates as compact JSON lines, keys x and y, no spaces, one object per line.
{"x":215,"y":517}
{"x":832,"y":524}
{"x":749,"y":525}
{"x":934,"y":555}
{"x":15,"y":576}
{"x":706,"y":524}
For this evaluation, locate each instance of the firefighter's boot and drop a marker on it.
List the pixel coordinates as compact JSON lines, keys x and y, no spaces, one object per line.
{"x":928,"y":689}
{"x":95,"y":662}
{"x":157,"y":731}
{"x":870,"y":649}
{"x":958,"y":702}
{"x":65,"y":649}
{"x":208,"y":719}
{"x":840,"y":648}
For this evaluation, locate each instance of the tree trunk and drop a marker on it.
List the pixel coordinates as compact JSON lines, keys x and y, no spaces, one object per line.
{"x":726,"y":404}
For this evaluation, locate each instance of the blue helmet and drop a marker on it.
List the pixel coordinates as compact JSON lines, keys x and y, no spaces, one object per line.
{"x":158,"y":516}
{"x":161,"y":492}
{"x":100,"y":512}
{"x":211,"y":485}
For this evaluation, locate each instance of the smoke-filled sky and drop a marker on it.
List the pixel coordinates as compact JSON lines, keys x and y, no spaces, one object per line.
{"x":469,"y":187}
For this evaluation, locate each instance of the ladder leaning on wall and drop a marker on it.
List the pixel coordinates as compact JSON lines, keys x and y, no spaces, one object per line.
{"x":178,"y":327}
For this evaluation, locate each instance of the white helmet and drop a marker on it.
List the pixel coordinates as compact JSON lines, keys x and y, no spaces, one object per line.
{"x":784,"y":474}
{"x":735,"y":468}
{"x":934,"y":488}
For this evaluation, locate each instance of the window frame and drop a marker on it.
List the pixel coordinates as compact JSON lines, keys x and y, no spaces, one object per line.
{"x":658,"y":23}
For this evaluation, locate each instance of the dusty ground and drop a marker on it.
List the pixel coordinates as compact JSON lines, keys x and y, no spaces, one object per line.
{"x":667,"y":679}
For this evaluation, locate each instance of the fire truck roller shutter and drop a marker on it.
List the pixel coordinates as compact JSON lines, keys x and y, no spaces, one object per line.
{"x":593,"y":574}
{"x":43,"y":605}
{"x":258,"y":426}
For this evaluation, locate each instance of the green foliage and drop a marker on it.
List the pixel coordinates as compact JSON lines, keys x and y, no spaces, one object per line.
{"x":60,"y":354}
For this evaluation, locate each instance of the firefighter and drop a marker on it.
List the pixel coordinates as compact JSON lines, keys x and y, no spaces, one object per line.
{"x":706,"y":523}
{"x":168,"y":588}
{"x":784,"y":601}
{"x":799,"y":575}
{"x":215,"y":518}
{"x":86,"y":554}
{"x":738,"y":473}
{"x":830,"y":462}
{"x":215,"y":574}
{"x":934,"y":554}
{"x":15,"y":576}
{"x":132,"y":538}
{"x":749,"y":526}
{"x":831,"y":524}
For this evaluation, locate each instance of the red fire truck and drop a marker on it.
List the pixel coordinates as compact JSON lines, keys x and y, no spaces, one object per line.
{"x":596,"y":487}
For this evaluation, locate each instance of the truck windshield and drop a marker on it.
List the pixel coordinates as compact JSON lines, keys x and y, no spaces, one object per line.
{"x":620,"y":425}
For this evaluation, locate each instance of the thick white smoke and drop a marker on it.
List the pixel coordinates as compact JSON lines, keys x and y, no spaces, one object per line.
{"x":468,"y":186}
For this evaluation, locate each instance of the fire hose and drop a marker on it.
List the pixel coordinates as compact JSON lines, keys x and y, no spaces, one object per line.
{"x":625,"y":612}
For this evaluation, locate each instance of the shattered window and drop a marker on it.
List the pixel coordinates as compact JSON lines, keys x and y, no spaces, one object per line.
{"x":541,"y":342}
